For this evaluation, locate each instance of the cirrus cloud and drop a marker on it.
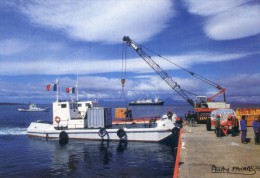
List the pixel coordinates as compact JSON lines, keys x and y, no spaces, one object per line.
{"x":227,"y":20}
{"x":97,"y":21}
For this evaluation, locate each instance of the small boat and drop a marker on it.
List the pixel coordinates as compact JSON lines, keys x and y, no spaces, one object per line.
{"x":69,"y":122}
{"x":33,"y":108}
{"x":147,"y":101}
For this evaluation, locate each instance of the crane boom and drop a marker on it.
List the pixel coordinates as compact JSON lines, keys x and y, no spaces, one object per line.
{"x":173,"y":84}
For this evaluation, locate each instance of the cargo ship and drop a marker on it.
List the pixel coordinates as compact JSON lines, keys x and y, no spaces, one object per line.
{"x":147,"y":101}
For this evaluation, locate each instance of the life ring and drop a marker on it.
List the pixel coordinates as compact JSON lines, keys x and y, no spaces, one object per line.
{"x":102,"y":132}
{"x":57,"y":119}
{"x":121,"y":133}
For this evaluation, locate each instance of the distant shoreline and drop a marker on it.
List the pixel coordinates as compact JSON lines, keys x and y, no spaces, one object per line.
{"x":12,"y":104}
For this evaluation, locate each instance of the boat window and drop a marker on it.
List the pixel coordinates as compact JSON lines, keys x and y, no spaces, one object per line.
{"x":79,"y":105}
{"x":73,"y":106}
{"x":88,"y":105}
{"x":63,"y":105}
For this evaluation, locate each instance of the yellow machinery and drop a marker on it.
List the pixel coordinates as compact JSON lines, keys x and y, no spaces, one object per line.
{"x":250,"y":113}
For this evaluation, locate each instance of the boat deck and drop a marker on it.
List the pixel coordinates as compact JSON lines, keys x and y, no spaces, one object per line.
{"x":144,"y":120}
{"x":202,"y":154}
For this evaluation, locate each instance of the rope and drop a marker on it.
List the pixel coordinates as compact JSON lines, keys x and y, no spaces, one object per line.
{"x":123,"y":73}
{"x":186,"y":70}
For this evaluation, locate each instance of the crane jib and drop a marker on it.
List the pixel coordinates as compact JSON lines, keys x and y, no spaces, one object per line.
{"x":174,"y":85}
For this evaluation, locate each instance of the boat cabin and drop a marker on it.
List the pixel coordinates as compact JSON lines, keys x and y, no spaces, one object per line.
{"x":84,"y":114}
{"x":83,"y":106}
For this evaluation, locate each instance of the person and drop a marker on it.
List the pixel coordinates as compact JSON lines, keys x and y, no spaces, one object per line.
{"x":130,"y":114}
{"x":127,"y":114}
{"x":256,"y":127}
{"x":234,"y":124}
{"x":186,"y":118}
{"x":179,"y":121}
{"x":243,"y":129}
{"x":169,"y":114}
{"x":217,"y":126}
{"x":189,"y":118}
{"x":192,"y":118}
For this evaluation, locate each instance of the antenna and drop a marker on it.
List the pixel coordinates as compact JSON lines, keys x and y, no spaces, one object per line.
{"x":77,"y":89}
{"x":57,"y":90}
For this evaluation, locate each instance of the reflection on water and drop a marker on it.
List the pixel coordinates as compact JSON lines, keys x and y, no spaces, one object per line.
{"x":105,"y":159}
{"x":22,"y":156}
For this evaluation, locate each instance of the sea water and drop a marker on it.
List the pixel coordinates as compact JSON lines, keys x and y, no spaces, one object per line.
{"x":23,"y":156}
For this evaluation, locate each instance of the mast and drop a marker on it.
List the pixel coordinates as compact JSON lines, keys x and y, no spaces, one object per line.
{"x":57,"y":89}
{"x":77,"y":90}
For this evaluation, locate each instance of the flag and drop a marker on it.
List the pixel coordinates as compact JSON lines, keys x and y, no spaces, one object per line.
{"x":48,"y":87}
{"x":55,"y":86}
{"x":70,"y":90}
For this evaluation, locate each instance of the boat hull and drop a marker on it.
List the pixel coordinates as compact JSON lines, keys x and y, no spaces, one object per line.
{"x":31,"y":110}
{"x":147,"y":104}
{"x":132,"y":134}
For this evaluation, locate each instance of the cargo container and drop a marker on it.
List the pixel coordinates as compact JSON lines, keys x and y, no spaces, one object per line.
{"x":250,"y":113}
{"x":120,"y":113}
{"x":99,"y":117}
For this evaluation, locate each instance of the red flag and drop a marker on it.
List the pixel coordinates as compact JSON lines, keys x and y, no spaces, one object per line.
{"x":48,"y":87}
{"x":67,"y":90}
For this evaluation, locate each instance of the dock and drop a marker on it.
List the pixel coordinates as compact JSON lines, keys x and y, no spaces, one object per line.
{"x":202,"y":154}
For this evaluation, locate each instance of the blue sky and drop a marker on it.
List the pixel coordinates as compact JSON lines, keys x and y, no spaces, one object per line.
{"x":44,"y":40}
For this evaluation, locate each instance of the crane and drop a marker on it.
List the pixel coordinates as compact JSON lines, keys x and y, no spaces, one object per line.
{"x":204,"y":106}
{"x":173,"y":84}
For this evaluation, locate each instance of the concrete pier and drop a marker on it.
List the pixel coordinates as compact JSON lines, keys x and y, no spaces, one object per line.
{"x":202,"y":154}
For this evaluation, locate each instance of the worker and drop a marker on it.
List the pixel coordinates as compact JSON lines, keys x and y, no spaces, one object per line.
{"x":179,"y":121}
{"x":130,"y":114}
{"x":217,"y":126}
{"x":189,"y":118}
{"x":127,"y":114}
{"x":186,"y":118}
{"x":193,"y":118}
{"x":243,"y":129}
{"x":169,"y":114}
{"x":256,"y":127}
{"x":224,"y":128}
{"x":234,"y":124}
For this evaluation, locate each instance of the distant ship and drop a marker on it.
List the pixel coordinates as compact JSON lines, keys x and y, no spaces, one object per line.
{"x":147,"y":101}
{"x":33,"y":108}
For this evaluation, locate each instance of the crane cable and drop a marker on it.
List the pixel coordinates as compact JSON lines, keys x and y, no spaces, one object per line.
{"x":123,"y":72}
{"x":191,"y":73}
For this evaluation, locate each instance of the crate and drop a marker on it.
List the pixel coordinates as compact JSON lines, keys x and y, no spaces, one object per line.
{"x":250,"y":113}
{"x":120,"y":113}
{"x":99,"y":117}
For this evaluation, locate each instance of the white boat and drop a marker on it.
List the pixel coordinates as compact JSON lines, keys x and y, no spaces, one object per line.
{"x":69,"y":123}
{"x":33,"y":108}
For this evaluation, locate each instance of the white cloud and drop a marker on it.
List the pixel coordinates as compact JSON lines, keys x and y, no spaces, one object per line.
{"x":211,"y":7}
{"x":100,"y":20}
{"x":12,"y":46}
{"x":234,"y":24}
{"x":83,"y":66}
{"x":229,"y":19}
